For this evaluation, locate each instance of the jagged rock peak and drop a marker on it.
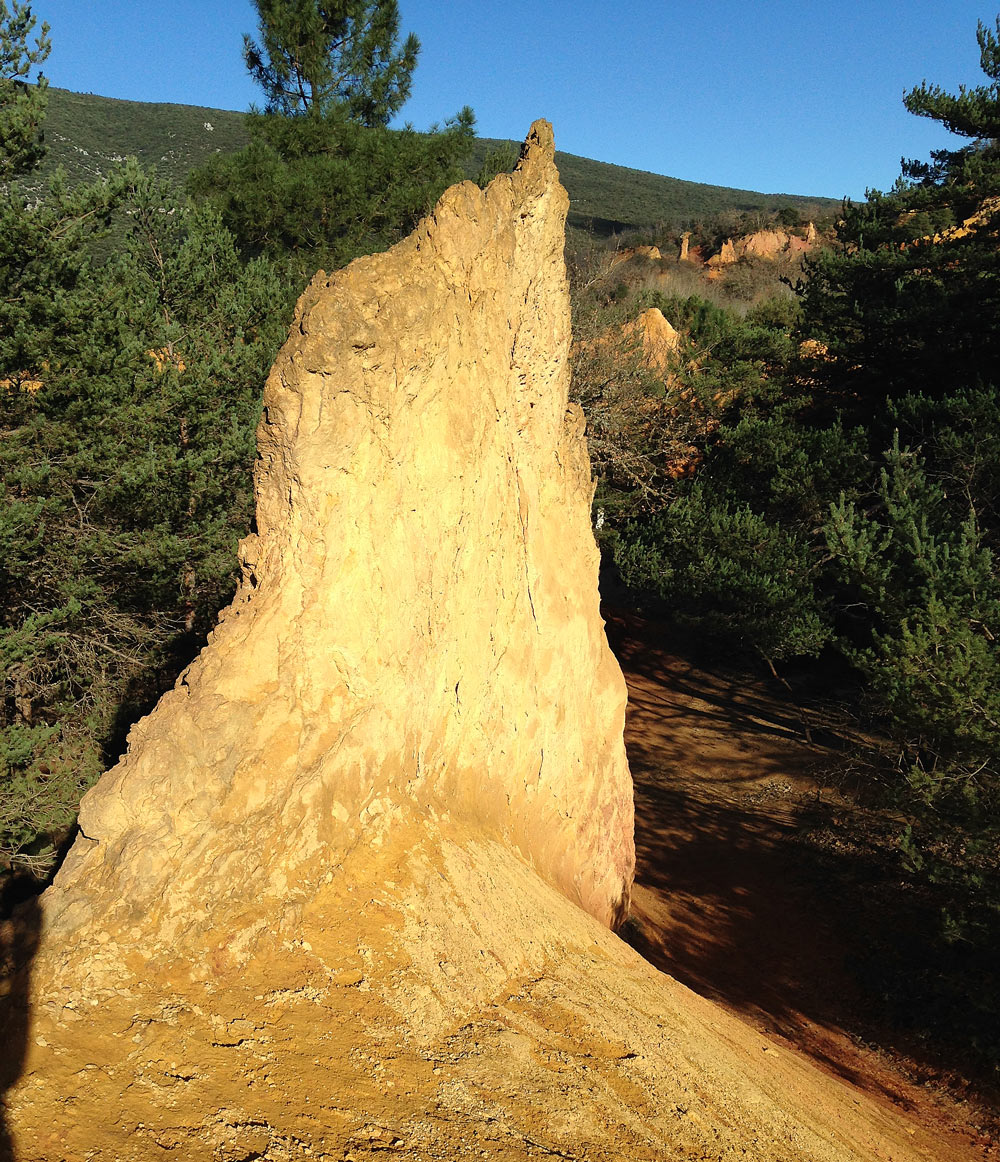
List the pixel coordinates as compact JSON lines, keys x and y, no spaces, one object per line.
{"x":417,"y":633}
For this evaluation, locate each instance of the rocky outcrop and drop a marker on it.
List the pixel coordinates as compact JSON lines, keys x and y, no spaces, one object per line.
{"x":349,"y":892}
{"x":656,"y":337}
{"x":726,"y":255}
{"x":768,"y":244}
{"x":763,"y":244}
{"x":649,"y":340}
{"x":630,"y":253}
{"x":984,"y":216}
{"x":685,"y":251}
{"x":417,"y":632}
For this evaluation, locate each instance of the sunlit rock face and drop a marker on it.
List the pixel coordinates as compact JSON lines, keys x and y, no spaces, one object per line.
{"x":770,"y":244}
{"x":658,"y":341}
{"x":417,"y":635}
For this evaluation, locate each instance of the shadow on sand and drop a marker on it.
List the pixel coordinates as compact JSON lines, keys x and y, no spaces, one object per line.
{"x":822,"y":943}
{"x":19,"y":938}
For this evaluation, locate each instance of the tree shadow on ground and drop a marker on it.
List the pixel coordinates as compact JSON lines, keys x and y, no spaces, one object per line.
{"x":828,"y":948}
{"x":19,"y":938}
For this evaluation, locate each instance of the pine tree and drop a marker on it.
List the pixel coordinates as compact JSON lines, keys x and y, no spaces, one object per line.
{"x":911,"y":301}
{"x":923,"y":591}
{"x":324,"y":179}
{"x":129,"y":397}
{"x":22,"y":105}
{"x":973,"y":113}
{"x":319,"y":191}
{"x":313,"y":56}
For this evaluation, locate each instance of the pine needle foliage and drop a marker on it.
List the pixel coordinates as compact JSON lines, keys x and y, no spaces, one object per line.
{"x":322,"y":190}
{"x":314,"y":56}
{"x":323,"y":179}
{"x":129,"y":397}
{"x":22,"y":101}
{"x":910,"y":302}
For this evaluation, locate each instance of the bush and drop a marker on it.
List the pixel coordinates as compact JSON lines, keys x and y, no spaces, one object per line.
{"x":928,"y":592}
{"x":324,"y":189}
{"x":727,"y":571}
{"x":126,"y":472}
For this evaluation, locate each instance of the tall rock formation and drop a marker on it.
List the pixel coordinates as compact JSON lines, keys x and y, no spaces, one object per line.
{"x":657,"y":338}
{"x":685,"y":252}
{"x":348,"y":895}
{"x":418,"y":628}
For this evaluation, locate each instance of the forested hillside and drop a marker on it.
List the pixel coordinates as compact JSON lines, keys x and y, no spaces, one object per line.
{"x":88,"y":135}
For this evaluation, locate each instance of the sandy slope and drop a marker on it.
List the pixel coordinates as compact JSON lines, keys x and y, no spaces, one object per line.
{"x":448,"y":1004}
{"x":729,"y":900}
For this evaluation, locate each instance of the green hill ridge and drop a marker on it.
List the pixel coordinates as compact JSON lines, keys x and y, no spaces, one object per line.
{"x":87,"y":134}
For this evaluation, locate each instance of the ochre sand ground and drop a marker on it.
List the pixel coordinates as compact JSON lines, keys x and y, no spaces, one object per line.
{"x":728,"y":902}
{"x":448,"y":1004}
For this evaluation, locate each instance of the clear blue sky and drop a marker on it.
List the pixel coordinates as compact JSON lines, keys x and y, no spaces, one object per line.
{"x":789,"y":96}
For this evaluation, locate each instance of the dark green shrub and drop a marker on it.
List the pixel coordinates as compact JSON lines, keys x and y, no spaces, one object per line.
{"x":726,"y":570}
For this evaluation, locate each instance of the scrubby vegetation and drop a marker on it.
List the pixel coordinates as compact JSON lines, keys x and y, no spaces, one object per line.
{"x":843,"y":505}
{"x":87,"y":136}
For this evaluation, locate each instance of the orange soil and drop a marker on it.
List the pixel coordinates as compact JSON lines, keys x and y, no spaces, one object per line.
{"x":449,"y":1004}
{"x":723,"y":776}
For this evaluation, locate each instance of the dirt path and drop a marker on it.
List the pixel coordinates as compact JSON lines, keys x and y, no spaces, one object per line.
{"x":730,"y":901}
